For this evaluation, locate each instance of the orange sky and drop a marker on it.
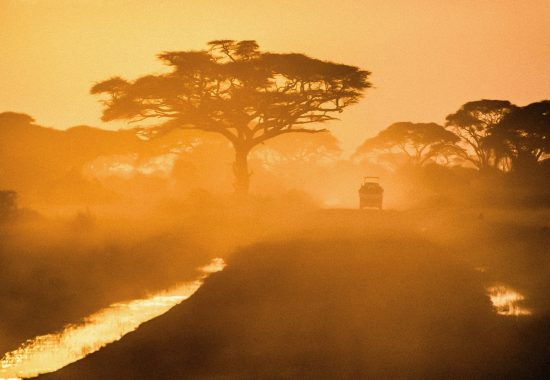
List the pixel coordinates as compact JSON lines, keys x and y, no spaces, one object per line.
{"x":428,"y":57}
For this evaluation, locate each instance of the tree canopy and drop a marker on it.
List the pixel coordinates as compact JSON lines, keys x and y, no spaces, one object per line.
{"x":234,"y":89}
{"x":417,"y":142}
{"x":523,"y":135}
{"x":473,"y":123}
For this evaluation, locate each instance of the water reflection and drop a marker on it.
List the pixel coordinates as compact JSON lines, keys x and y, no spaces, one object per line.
{"x":507,"y":301}
{"x":48,"y":353}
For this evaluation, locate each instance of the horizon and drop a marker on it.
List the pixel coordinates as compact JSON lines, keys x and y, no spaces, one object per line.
{"x":426,"y":58}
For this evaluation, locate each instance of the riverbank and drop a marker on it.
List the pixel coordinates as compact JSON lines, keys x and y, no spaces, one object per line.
{"x":331,"y":308}
{"x":89,"y":261}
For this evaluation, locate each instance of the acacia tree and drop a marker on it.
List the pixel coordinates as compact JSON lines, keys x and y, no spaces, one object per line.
{"x":234,"y":89}
{"x":523,"y":135}
{"x":473,"y":123}
{"x":417,"y":142}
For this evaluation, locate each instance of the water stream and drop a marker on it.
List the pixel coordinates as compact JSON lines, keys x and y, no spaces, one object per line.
{"x":507,"y":301}
{"x":48,"y":353}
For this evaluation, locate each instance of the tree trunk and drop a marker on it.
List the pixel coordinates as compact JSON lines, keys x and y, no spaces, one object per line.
{"x":240,"y":169}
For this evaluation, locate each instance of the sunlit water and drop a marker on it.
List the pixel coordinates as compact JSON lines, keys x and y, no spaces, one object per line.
{"x":507,"y":301}
{"x":48,"y":353}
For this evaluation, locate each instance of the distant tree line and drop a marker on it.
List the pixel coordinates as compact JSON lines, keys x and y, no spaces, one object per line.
{"x":235,"y":107}
{"x":486,"y":134}
{"x":90,"y":165}
{"x":82,"y":164}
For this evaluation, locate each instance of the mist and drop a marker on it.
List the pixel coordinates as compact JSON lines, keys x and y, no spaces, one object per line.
{"x":314,"y":286}
{"x":328,"y":299}
{"x":372,"y":176}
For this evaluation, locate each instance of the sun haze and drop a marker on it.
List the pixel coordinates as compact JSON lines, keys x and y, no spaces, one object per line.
{"x":427,"y":57}
{"x":410,"y":239}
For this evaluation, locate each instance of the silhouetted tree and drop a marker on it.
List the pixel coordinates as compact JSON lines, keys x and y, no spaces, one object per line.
{"x":41,"y":162}
{"x":523,"y":135}
{"x":236,"y":90}
{"x":414,"y":143}
{"x":472,"y":123}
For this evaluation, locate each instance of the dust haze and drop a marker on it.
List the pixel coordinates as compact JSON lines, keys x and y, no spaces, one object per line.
{"x":314,"y":288}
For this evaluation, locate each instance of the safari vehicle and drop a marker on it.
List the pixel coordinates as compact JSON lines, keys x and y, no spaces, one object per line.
{"x":371,"y":193}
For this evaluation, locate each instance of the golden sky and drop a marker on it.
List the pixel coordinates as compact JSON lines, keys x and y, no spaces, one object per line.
{"x":428,"y":57}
